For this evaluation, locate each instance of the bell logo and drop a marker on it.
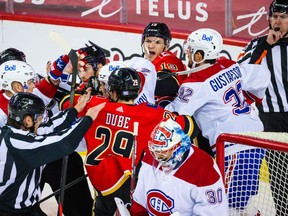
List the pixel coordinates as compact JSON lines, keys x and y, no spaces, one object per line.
{"x":207,"y":38}
{"x":10,"y":67}
{"x":112,"y":68}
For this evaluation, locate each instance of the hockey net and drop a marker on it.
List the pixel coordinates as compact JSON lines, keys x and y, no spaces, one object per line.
{"x":246,"y":170}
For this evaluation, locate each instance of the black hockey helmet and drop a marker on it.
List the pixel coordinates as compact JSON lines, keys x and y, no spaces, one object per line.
{"x":126,"y":82}
{"x":12,"y":54}
{"x":23,"y":104}
{"x":280,"y":6}
{"x":93,"y":55}
{"x":157,"y":29}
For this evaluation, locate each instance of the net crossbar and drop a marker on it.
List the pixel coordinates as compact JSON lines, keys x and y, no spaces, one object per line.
{"x":254,"y":169}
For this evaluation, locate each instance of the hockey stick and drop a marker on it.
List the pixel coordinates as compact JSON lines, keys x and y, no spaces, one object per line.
{"x":66,"y":187}
{"x":60,"y":41}
{"x":74,"y":60}
{"x":121,"y":208}
{"x":182,"y":72}
{"x":134,"y":165}
{"x":65,"y":46}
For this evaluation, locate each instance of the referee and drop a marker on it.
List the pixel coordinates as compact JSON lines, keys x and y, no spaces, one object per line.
{"x":23,"y":153}
{"x":272,"y":51}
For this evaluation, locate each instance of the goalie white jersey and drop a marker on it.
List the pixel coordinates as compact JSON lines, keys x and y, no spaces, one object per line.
{"x":194,"y":188}
{"x":220,"y":97}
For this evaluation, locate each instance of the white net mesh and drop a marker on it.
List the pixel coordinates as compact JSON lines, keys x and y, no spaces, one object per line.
{"x":256,"y":179}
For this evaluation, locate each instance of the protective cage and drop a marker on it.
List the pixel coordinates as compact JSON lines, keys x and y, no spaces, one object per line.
{"x":244,"y":178}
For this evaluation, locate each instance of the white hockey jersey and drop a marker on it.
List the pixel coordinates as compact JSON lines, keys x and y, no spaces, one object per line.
{"x":194,"y":188}
{"x":148,"y":79}
{"x":220,"y":97}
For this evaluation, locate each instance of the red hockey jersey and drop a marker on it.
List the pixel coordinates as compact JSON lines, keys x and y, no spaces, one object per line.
{"x":110,"y":140}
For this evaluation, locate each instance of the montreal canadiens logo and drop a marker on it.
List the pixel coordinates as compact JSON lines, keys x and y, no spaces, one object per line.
{"x":158,"y":203}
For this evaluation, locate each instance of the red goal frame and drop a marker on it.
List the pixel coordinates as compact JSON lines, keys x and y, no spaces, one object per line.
{"x":246,"y":139}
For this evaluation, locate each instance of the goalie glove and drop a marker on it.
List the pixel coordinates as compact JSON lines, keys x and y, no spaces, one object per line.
{"x":58,"y":67}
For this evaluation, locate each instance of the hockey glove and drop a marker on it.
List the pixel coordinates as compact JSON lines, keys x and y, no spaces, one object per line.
{"x":82,"y":54}
{"x":58,"y":67}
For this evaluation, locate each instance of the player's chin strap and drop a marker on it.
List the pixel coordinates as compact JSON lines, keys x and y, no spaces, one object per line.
{"x":202,"y":67}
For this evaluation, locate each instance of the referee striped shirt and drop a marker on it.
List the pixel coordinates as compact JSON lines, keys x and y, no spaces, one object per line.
{"x":23,"y":156}
{"x":275,"y":57}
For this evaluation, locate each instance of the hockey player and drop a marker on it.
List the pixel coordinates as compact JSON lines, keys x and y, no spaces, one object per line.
{"x":156,"y":39}
{"x":172,"y":160}
{"x":91,"y":59}
{"x":271,"y":52}
{"x":105,"y":72}
{"x":18,"y":76}
{"x":196,"y":62}
{"x":78,"y":199}
{"x":219,"y":96}
{"x":110,"y":138}
{"x":12,"y":54}
{"x":24,"y":153}
{"x":146,"y":71}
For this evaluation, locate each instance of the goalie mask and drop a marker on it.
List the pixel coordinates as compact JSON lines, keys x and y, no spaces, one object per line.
{"x":12,"y":54}
{"x":207,"y":40}
{"x":23,"y":104}
{"x":15,"y":71}
{"x":168,"y":143}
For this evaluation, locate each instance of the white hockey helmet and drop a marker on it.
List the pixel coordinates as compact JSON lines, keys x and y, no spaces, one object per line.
{"x":168,"y":143}
{"x":15,"y":71}
{"x":205,"y":39}
{"x":107,"y":69}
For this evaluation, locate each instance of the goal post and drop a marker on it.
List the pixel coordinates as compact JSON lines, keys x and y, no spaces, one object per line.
{"x":244,"y":157}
